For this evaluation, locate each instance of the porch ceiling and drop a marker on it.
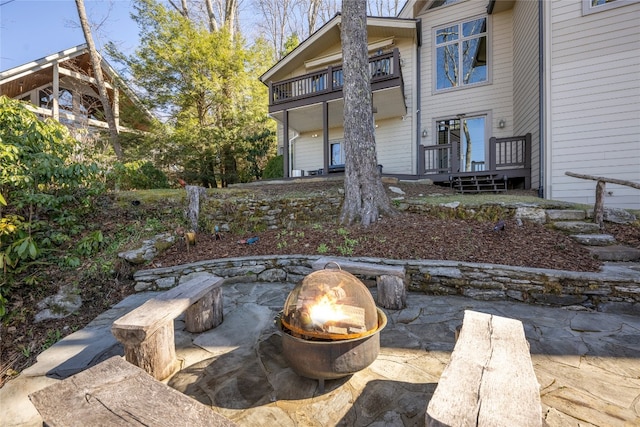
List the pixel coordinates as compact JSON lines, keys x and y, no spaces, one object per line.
{"x":389,"y":103}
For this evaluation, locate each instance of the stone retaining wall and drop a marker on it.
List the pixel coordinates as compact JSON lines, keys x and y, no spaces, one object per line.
{"x":615,"y":289}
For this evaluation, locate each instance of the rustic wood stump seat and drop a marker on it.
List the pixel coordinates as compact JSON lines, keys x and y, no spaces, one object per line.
{"x":390,"y":279}
{"x":147,"y":331}
{"x":489,"y":380}
{"x":116,"y":393}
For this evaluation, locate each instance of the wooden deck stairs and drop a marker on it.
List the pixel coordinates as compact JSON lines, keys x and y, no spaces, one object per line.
{"x":479,"y":183}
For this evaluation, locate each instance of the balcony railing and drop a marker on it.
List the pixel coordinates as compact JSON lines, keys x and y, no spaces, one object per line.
{"x":331,"y":80}
{"x":508,"y":156}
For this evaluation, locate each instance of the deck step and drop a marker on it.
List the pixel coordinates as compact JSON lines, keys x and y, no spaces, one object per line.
{"x":479,"y":183}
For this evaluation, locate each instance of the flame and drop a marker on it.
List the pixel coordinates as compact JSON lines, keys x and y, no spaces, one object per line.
{"x":326,"y":310}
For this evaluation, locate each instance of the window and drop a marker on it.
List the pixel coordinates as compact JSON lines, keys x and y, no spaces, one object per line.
{"x":439,"y":3}
{"x":461,"y":54}
{"x":337,"y":154}
{"x":593,"y":6}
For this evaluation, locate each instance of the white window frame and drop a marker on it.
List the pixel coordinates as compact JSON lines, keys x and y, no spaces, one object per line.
{"x":588,"y":9}
{"x":434,"y":54}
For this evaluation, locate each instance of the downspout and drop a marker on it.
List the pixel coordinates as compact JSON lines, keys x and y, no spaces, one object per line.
{"x":541,"y":100}
{"x":291,"y":154}
{"x":418,"y":92}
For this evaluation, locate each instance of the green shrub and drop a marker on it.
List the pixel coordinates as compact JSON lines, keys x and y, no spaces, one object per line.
{"x":44,"y":193}
{"x":138,"y":175}
{"x":274,"y":168}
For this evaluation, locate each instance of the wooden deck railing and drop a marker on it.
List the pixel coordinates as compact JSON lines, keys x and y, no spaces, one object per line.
{"x":504,"y":153}
{"x":331,"y":79}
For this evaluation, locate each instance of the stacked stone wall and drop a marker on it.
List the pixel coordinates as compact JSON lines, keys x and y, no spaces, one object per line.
{"x":614,"y":289}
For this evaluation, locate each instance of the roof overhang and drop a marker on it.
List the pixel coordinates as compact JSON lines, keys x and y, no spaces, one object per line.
{"x":35,"y":74}
{"x":314,"y":47}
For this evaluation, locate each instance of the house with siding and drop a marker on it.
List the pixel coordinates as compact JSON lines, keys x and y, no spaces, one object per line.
{"x":479,"y":93}
{"x":62,"y":86}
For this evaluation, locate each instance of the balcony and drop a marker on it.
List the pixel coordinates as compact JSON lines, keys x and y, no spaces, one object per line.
{"x":326,"y":85}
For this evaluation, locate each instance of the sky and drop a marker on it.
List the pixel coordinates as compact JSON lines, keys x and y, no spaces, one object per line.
{"x":33,"y":29}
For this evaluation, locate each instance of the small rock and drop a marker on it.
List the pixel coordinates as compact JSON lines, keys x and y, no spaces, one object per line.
{"x":60,"y":305}
{"x":451,"y":205}
{"x":396,"y":190}
{"x":619,"y":216}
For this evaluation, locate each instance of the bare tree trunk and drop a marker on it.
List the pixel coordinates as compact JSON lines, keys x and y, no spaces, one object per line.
{"x":213,"y":24}
{"x":364,"y":198}
{"x":312,"y":18}
{"x":230,"y":12}
{"x":102,"y":88}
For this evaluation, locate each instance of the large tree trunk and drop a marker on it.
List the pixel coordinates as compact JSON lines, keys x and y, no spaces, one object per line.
{"x":102,"y":88}
{"x":364,"y":198}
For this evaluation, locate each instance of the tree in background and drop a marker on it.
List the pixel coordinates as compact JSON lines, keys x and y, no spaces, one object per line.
{"x":101,"y":86}
{"x":282,"y":19}
{"x":205,"y":84}
{"x":364,"y":198}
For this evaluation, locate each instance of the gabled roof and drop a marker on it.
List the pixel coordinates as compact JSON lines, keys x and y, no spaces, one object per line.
{"x":75,"y":63}
{"x":413,"y":8}
{"x":329,"y":35}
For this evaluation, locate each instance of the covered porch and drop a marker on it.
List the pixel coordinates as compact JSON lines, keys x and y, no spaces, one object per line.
{"x":313,"y":102}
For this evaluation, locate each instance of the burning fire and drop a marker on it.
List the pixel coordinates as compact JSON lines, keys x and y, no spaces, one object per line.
{"x":326,"y":310}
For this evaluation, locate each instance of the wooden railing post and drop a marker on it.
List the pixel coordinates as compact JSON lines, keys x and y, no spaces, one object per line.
{"x":598,"y":209}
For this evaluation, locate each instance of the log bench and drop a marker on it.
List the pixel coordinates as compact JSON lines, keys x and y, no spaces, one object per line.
{"x":116,"y":393}
{"x":147,"y":332}
{"x":390,"y":279}
{"x":489,"y":380}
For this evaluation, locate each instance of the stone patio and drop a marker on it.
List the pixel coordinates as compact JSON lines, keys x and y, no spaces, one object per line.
{"x":587,"y":364}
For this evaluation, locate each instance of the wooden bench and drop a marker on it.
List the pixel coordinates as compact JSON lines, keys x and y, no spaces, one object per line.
{"x":489,"y":380}
{"x":147,"y":331}
{"x":390,"y":279}
{"x":116,"y":393}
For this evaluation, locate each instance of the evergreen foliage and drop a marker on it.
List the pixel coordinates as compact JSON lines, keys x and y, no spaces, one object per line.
{"x":274,"y":168}
{"x":44,"y":193}
{"x":216,"y":129}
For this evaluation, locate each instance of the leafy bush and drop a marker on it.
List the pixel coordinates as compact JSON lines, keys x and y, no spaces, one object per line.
{"x":44,"y":193}
{"x":138,"y":175}
{"x":274,"y":168}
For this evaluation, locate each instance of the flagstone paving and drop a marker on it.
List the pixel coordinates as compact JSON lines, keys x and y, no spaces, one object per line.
{"x":587,"y":364}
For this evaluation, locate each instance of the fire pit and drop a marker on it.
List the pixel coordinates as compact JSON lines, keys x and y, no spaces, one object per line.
{"x":330,"y":326}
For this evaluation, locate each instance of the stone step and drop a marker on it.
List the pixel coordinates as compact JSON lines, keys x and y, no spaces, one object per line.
{"x":594,"y":239}
{"x":565,"y":215}
{"x":577,"y":227}
{"x":616,"y":253}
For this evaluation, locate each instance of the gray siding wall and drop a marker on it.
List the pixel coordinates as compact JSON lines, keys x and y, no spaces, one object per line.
{"x":525,"y":80}
{"x":594,"y":106}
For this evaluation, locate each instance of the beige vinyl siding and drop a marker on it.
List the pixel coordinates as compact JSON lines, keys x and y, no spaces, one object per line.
{"x":393,"y":146}
{"x":307,"y":153}
{"x":307,"y":149}
{"x":395,"y":137}
{"x":494,"y":98}
{"x":525,"y":80}
{"x":595,"y":101}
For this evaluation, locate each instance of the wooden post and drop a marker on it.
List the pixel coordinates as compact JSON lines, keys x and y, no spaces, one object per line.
{"x":155,"y":353}
{"x":598,"y":209}
{"x":206,"y":313}
{"x":391,"y":292}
